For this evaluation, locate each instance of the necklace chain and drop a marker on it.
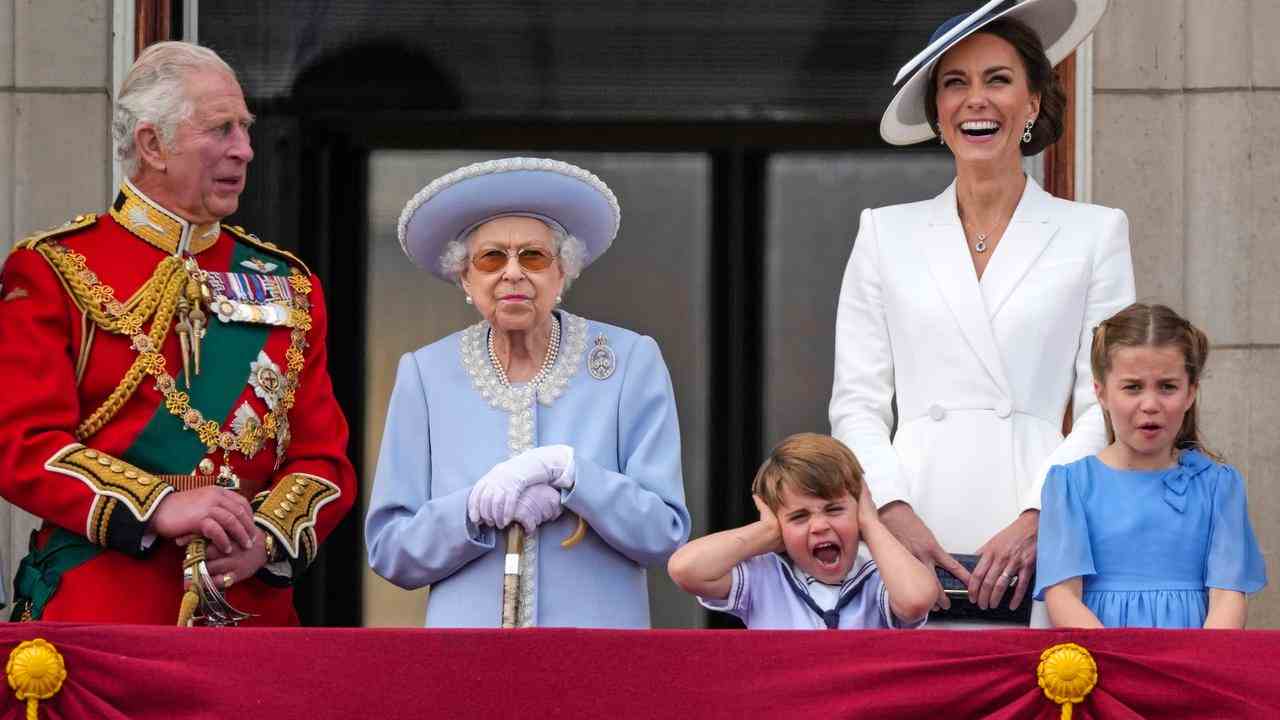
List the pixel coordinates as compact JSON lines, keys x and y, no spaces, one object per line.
{"x":553,"y":351}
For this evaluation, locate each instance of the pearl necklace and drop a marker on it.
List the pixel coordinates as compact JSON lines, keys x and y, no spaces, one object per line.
{"x":553,"y":350}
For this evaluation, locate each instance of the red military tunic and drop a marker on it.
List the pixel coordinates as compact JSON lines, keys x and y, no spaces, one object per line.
{"x":262,"y":389}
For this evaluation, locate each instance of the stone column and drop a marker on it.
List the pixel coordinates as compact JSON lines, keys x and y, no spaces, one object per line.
{"x":1187,"y":142}
{"x":55,"y":144}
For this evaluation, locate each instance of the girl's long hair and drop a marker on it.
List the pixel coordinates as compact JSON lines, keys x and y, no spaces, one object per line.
{"x":1141,"y":325}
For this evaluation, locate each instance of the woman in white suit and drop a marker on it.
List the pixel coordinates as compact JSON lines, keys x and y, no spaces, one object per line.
{"x":974,"y":309}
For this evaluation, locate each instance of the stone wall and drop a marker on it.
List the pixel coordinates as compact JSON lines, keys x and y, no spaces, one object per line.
{"x":55,"y":146}
{"x":1187,"y":141}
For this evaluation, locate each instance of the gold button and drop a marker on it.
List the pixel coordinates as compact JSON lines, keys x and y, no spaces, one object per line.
{"x":117,"y":468}
{"x":144,"y":480}
{"x":291,"y":497}
{"x":131,"y":474}
{"x":91,"y":454}
{"x":104,"y":461}
{"x":286,"y":506}
{"x":279,"y":513}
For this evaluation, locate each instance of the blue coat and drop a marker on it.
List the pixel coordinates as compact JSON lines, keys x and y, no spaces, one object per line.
{"x":447,"y":426}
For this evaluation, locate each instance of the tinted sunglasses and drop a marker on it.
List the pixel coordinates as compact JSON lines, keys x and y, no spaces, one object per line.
{"x":531,"y":259}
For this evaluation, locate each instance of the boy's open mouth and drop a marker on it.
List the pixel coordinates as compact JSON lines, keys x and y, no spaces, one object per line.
{"x":827,"y":553}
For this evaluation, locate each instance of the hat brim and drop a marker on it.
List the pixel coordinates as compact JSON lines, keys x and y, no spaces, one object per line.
{"x":1061,"y":24}
{"x":457,"y":202}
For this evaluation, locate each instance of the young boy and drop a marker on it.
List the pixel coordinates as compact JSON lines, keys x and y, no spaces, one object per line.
{"x":797,"y":567}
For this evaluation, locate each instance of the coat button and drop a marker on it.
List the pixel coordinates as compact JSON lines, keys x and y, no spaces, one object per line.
{"x":937,"y":412}
{"x":1004,"y":408}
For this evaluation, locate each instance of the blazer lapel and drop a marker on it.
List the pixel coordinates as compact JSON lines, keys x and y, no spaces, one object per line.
{"x":1025,"y":239}
{"x":946,"y":253}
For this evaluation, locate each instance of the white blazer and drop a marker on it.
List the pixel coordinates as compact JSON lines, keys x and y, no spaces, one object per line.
{"x":982,"y":370}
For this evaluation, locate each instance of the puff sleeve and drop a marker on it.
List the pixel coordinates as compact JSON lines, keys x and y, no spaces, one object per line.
{"x":1064,"y":549}
{"x":1234,"y":561}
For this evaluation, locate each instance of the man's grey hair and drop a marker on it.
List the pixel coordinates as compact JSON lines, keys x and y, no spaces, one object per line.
{"x":155,"y":92}
{"x":570,"y":251}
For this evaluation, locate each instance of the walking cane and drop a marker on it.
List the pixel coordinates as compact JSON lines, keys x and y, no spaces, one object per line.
{"x":511,"y":572}
{"x":511,"y":576}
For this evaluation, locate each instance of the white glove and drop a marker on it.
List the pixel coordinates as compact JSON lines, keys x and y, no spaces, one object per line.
{"x":537,"y":505}
{"x":493,"y":498}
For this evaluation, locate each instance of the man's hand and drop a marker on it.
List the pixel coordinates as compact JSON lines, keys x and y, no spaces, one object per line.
{"x":1008,"y":559}
{"x":228,"y":569}
{"x":221,"y":515}
{"x":911,"y":531}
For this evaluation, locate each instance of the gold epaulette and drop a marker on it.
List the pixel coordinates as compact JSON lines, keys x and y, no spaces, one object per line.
{"x":265,"y":246}
{"x":70,"y":226}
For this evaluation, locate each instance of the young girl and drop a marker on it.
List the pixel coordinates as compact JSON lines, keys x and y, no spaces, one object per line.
{"x":1153,"y":531}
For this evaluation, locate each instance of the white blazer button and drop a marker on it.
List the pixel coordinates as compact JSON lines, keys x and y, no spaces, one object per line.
{"x":937,"y":412}
{"x":1004,"y":408}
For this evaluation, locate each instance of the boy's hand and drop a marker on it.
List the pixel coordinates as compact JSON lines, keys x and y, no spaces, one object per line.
{"x":867,"y":514}
{"x":770,"y":522}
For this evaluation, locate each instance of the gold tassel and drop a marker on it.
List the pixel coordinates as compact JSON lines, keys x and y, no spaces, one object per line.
{"x":190,"y":575}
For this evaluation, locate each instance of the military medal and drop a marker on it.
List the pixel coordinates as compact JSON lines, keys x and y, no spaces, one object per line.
{"x":257,"y":299}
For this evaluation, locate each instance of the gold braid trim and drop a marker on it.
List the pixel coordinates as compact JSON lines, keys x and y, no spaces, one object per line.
{"x":158,"y":297}
{"x":149,"y":360}
{"x":290,"y":512}
{"x":99,"y":301}
{"x":33,"y":241}
{"x":109,"y":477}
{"x":173,"y":283}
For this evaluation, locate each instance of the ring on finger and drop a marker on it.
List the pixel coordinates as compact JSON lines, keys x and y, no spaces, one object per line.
{"x":1006,"y":578}
{"x":228,"y":579}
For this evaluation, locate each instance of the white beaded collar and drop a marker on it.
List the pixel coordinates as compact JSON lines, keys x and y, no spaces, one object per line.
{"x":517,"y":401}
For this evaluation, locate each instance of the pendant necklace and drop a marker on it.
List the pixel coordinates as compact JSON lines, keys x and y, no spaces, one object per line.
{"x":981,"y":245}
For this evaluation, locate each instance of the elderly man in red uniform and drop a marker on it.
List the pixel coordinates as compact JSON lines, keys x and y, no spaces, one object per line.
{"x":167,"y":377}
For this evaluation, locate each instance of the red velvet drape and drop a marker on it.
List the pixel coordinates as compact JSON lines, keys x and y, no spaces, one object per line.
{"x":155,"y":672}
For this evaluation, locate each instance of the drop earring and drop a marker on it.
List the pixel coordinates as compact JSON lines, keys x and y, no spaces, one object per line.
{"x":1026,"y":132}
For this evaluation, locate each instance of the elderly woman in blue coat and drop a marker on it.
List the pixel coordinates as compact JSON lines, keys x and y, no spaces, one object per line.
{"x":532,"y":417}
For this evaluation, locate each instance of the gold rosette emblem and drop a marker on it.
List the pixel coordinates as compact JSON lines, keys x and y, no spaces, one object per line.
{"x":36,"y":672}
{"x":1067,"y":673}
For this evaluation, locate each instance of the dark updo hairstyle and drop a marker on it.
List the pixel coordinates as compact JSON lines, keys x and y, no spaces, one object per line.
{"x":1041,"y":79}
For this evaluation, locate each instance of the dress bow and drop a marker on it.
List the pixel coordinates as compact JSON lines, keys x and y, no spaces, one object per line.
{"x":1176,"y":481}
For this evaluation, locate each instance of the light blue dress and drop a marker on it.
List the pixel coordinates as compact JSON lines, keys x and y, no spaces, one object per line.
{"x":450,"y":420}
{"x":1148,"y":543}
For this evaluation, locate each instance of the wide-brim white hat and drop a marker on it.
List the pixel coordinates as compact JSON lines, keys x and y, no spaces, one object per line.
{"x":1061,"y":24}
{"x":551,"y":190}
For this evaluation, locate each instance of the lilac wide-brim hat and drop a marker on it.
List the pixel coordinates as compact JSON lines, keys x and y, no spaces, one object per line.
{"x":454,"y":204}
{"x":1061,"y":24}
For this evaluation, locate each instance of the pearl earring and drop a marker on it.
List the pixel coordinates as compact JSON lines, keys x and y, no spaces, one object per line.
{"x":469,"y":301}
{"x":559,"y":299}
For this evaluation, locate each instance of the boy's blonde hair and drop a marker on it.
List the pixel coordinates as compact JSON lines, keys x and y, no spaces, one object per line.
{"x":809,"y":464}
